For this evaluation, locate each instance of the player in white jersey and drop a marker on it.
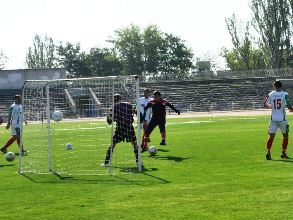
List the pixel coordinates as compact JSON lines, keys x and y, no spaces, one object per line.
{"x":143,"y":102}
{"x":278,"y":101}
{"x":15,"y":121}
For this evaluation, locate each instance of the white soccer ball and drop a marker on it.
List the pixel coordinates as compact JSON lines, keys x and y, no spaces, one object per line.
{"x":10,"y":156}
{"x":69,"y":146}
{"x":57,"y":115}
{"x":153,"y":150}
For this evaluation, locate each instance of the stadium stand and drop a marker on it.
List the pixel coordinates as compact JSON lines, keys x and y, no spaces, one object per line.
{"x":6,"y":99}
{"x":187,"y":95}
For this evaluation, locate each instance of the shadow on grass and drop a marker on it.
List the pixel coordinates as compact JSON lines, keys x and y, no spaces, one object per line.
{"x":285,"y":160}
{"x":128,"y":178}
{"x":176,"y":159}
{"x":7,"y":165}
{"x":163,"y":150}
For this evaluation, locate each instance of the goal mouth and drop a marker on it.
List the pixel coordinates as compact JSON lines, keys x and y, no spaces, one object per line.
{"x":84,"y":103}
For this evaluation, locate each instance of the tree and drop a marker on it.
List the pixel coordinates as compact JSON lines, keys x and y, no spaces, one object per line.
{"x":3,"y":60}
{"x":103,"y":62}
{"x":154,"y":47}
{"x":151,"y":51}
{"x":272,"y":20}
{"x":73,"y":60}
{"x":129,"y":46}
{"x":177,"y":57}
{"x":42,"y":54}
{"x":243,"y":56}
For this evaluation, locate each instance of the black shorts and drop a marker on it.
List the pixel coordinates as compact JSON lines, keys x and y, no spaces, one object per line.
{"x":124,"y":133}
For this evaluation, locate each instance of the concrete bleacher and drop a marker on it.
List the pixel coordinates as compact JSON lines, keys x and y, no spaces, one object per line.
{"x":214,"y":95}
{"x":189,"y":95}
{"x":6,"y":100}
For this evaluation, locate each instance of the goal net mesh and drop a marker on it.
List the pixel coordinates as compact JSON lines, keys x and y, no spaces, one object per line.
{"x":85,"y":104}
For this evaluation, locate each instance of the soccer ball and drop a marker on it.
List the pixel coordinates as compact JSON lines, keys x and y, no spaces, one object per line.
{"x":57,"y":116}
{"x":10,"y":156}
{"x":153,"y":150}
{"x":69,"y":146}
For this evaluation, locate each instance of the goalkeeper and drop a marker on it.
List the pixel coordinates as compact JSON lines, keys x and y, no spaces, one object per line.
{"x":158,"y":106}
{"x":123,"y":116}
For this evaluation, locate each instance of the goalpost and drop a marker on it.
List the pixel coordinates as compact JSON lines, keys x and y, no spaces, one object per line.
{"x":85,"y":104}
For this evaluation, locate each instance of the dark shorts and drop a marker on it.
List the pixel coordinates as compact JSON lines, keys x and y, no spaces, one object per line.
{"x":124,"y":133}
{"x":154,"y":123}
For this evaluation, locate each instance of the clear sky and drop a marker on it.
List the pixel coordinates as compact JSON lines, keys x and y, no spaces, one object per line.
{"x":201,"y":23}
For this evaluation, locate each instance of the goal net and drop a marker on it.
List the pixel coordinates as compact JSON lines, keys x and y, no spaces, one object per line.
{"x":85,"y":104}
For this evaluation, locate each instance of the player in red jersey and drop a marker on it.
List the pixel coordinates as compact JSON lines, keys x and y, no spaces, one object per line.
{"x":158,"y":105}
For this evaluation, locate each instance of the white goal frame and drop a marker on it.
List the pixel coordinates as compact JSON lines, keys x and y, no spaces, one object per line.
{"x":48,"y":111}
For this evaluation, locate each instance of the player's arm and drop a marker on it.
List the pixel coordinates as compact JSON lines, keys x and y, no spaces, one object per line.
{"x":9,"y":118}
{"x":146,"y":107}
{"x":266,"y":103}
{"x":172,"y":107}
{"x":288,"y":103}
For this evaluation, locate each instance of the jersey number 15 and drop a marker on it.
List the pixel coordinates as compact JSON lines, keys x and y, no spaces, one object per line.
{"x":277,"y":103}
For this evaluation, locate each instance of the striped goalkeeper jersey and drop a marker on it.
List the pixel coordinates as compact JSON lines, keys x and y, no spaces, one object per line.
{"x":279,"y":101}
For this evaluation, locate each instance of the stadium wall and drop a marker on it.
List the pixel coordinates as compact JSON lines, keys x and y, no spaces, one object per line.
{"x":14,"y":79}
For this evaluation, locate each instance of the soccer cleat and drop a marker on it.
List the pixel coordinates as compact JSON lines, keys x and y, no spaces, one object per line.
{"x":4,"y":151}
{"x":285,"y":156}
{"x":143,"y":149}
{"x":268,"y":156}
{"x":105,"y":165}
{"x":24,"y":152}
{"x":163,"y":142}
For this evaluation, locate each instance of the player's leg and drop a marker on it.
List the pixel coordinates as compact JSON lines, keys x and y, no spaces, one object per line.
{"x":272,"y":131}
{"x":11,"y":140}
{"x":17,"y":129}
{"x":285,"y":131}
{"x":162,"y":126}
{"x":151,"y":126}
{"x":116,"y":140}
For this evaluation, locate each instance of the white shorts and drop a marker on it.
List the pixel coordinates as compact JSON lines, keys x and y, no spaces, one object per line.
{"x":282,"y":125}
{"x":15,"y":130}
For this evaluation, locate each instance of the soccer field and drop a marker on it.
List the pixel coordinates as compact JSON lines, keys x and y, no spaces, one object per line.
{"x":211,"y":168}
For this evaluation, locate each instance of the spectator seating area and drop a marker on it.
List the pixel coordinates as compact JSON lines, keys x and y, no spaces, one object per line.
{"x":190,"y":95}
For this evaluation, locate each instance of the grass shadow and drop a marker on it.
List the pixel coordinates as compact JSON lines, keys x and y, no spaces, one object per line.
{"x":126,"y":178}
{"x":176,"y":159}
{"x":7,"y":165}
{"x":286,"y":160}
{"x":163,"y":150}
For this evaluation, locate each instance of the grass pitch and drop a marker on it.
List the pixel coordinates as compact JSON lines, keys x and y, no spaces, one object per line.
{"x":211,"y":168}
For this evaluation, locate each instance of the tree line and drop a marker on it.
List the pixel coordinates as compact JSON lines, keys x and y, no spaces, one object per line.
{"x":270,"y":47}
{"x":133,"y":51}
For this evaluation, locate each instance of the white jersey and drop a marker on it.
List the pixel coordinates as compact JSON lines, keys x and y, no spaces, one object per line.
{"x":278,"y":101}
{"x":143,"y":101}
{"x":16,"y":113}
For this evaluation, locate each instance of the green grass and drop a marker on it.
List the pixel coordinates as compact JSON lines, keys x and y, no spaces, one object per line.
{"x":210,"y":169}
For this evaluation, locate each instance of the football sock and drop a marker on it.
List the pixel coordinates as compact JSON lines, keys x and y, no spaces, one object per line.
{"x":163,"y":135}
{"x":145,"y":140}
{"x":284,"y":145}
{"x":269,"y":144}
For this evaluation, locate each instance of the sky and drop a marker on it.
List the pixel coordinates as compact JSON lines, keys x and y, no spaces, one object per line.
{"x":200,"y":23}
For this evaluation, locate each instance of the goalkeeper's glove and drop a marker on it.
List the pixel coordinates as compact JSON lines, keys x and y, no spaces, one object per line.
{"x":177,"y":111}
